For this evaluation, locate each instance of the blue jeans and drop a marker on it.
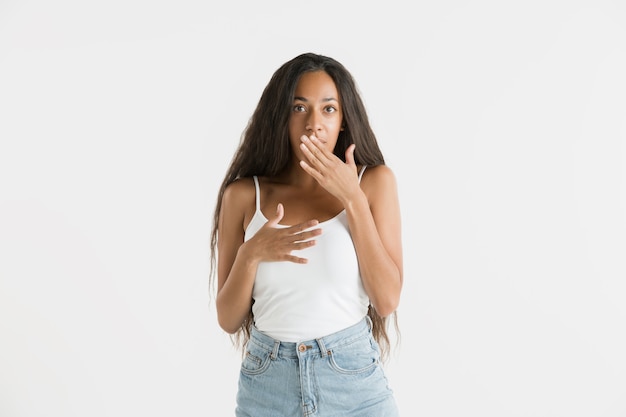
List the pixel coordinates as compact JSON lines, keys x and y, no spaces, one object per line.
{"x":338,"y":375}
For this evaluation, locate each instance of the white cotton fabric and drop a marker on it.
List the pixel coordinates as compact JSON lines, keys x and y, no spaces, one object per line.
{"x":295,"y":302}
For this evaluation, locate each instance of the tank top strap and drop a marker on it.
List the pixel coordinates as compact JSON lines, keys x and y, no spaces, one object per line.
{"x":258,"y":193}
{"x":362,"y":171}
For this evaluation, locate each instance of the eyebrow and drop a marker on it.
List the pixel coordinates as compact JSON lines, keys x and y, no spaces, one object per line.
{"x":323,"y":100}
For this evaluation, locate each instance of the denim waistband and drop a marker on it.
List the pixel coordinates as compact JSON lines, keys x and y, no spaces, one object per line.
{"x":319,"y":346}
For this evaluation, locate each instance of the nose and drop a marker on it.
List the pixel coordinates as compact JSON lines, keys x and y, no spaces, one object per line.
{"x":313,"y":123}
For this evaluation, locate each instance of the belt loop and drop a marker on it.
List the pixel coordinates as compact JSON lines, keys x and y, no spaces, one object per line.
{"x":274,"y":353}
{"x":320,"y":343}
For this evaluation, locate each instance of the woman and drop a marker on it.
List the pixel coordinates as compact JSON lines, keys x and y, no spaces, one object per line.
{"x":306,"y":233}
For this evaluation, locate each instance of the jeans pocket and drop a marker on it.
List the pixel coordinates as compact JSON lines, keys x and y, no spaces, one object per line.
{"x":355,"y":358}
{"x":256,"y":360}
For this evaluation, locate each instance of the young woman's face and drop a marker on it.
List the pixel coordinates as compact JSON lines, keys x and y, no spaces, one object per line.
{"x":316,"y":110}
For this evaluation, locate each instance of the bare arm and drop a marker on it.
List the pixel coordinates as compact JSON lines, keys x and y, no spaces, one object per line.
{"x":235,"y":271}
{"x":374,"y":221}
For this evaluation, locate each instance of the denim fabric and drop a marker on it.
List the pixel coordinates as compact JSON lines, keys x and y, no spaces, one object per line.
{"x":339,"y":375}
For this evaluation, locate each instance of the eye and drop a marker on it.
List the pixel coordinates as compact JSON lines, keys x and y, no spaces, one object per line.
{"x":330,"y":109}
{"x":299,"y":108}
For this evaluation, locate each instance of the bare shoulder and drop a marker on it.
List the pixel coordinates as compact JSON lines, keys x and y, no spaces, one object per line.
{"x":378,"y":178}
{"x":239,"y":195}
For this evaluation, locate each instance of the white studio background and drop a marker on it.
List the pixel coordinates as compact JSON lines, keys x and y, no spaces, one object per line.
{"x":505,"y":123}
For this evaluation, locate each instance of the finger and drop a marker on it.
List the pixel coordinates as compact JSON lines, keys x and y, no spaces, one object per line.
{"x":314,"y":150}
{"x":309,"y":154}
{"x":280,"y":212}
{"x":301,"y":227}
{"x":320,"y":150}
{"x":310,"y":170}
{"x":306,"y":236}
{"x":350,"y":155}
{"x":296,"y":259}
{"x":303,"y":245}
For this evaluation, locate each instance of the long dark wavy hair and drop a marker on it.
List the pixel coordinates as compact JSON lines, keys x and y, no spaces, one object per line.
{"x":264,"y":150}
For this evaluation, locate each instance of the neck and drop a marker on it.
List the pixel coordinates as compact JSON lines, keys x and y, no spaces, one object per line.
{"x":295,"y":175}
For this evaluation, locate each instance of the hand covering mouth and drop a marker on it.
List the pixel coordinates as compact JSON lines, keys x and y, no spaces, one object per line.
{"x":318,"y":138}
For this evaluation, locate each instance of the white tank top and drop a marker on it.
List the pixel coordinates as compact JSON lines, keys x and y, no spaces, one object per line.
{"x":297,"y":302}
